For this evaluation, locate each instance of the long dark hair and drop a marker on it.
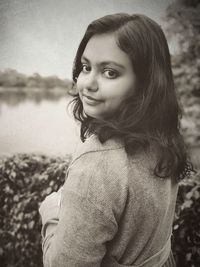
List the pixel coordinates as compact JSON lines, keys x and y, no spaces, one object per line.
{"x":152,"y":114}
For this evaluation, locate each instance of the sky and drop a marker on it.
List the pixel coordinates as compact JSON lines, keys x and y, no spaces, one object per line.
{"x":42,"y":36}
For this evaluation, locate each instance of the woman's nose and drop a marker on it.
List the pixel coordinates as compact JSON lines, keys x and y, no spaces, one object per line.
{"x":91,"y":83}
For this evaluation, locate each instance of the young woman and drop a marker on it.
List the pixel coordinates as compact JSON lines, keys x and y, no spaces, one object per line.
{"x":118,"y":200}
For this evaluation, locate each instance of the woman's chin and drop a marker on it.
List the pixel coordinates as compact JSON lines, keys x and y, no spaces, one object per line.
{"x":91,"y":114}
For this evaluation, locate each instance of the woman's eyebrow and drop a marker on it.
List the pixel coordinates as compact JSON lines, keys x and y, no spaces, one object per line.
{"x":85,"y":59}
{"x":103,"y":63}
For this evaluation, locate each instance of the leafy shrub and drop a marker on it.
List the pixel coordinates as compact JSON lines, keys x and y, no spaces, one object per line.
{"x":186,"y":228}
{"x":25,"y":180}
{"x":24,"y":183}
{"x":183,"y":27}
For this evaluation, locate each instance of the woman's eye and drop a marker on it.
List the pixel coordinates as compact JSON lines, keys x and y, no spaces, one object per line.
{"x":85,"y":68}
{"x":111,"y":74}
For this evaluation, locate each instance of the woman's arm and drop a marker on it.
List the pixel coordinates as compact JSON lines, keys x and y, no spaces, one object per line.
{"x":49,"y":211}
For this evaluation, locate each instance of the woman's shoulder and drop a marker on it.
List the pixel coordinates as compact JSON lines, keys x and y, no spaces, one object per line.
{"x":98,"y":173}
{"x":100,"y":163}
{"x":92,"y":147}
{"x":111,"y":154}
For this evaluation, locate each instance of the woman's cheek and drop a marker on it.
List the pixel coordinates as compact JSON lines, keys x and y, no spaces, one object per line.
{"x":78,"y":86}
{"x":80,"y":82}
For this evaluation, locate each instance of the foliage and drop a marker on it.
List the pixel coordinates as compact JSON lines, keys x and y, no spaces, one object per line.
{"x":24,"y":183}
{"x":184,"y":23}
{"x":11,"y":78}
{"x":25,"y":180}
{"x":186,"y":229}
{"x":187,"y":82}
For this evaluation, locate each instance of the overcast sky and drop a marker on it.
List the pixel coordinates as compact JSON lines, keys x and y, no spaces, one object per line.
{"x":42,"y":35}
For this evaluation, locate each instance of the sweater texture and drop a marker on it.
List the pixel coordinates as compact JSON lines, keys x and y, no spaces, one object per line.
{"x":114,"y":211}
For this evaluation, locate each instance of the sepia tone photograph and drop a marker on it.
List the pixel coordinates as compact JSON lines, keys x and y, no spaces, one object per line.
{"x":100,"y":133}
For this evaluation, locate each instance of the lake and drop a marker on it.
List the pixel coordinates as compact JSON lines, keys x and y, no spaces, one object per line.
{"x":36,"y":125}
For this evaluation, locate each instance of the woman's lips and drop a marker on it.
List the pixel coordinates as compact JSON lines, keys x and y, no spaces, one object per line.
{"x":91,"y":100}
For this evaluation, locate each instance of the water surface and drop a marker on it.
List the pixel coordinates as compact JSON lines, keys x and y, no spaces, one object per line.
{"x":42,"y":126}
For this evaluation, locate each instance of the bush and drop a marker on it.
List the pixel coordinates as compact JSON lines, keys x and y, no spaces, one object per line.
{"x":25,"y":180}
{"x":186,"y":228}
{"x":24,"y":183}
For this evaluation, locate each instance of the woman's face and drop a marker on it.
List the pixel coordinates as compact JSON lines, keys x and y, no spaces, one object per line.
{"x":107,"y":76}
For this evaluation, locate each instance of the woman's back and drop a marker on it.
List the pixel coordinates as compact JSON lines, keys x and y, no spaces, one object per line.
{"x":138,"y":205}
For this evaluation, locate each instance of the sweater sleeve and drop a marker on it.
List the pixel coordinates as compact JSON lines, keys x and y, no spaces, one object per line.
{"x":49,"y":210}
{"x":80,"y":235}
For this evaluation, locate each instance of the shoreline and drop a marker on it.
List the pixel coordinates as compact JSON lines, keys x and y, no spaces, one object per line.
{"x":40,"y":90}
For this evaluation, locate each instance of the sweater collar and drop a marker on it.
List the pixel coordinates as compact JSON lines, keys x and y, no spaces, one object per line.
{"x":93,"y":144}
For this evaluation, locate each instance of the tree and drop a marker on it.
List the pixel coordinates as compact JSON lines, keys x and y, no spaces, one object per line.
{"x":184,"y":24}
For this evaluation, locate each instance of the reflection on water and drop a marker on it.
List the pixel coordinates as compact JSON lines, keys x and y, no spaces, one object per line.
{"x":15,"y":96}
{"x":36,"y":125}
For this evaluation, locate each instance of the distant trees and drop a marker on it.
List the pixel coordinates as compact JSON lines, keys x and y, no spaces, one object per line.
{"x":12,"y":78}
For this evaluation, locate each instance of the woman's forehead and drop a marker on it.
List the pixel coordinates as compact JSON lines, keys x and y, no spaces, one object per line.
{"x":104,"y":48}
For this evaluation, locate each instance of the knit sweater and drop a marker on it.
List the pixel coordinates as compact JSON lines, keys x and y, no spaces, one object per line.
{"x":114,"y":211}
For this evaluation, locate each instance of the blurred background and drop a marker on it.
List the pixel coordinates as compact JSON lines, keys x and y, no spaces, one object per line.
{"x":38,"y":42}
